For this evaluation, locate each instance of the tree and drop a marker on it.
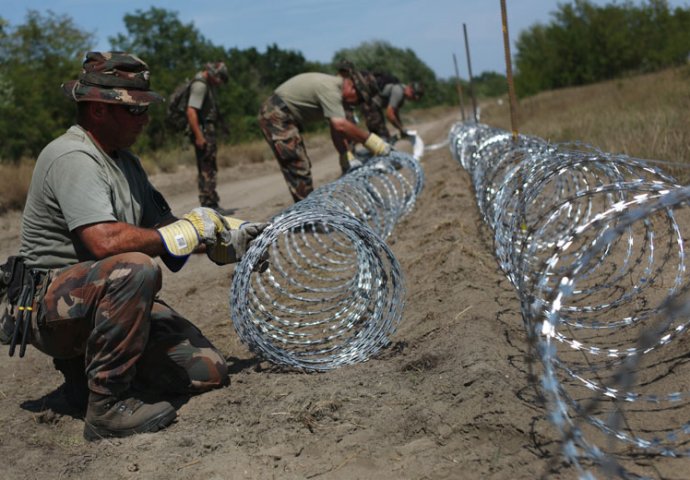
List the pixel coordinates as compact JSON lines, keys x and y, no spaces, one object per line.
{"x":586,"y":43}
{"x":35,"y":58}
{"x":173,"y":50}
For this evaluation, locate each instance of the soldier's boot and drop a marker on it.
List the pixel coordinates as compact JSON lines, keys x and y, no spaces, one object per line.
{"x":109,"y":416}
{"x":75,"y":388}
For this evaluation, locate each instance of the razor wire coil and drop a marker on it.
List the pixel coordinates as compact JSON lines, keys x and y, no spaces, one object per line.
{"x":333,"y":293}
{"x":594,"y":244}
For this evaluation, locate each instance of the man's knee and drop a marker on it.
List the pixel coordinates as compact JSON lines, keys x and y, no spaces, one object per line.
{"x":208,"y":370}
{"x":135,"y":268}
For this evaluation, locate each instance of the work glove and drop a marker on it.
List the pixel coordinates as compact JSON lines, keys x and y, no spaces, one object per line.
{"x":231,"y":245}
{"x":201,"y":225}
{"x":376,"y":145}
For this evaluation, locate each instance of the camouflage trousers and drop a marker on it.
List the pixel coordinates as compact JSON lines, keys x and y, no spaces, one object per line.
{"x":107,"y":311}
{"x":282,"y":133}
{"x":207,"y":167}
{"x":375,"y":118}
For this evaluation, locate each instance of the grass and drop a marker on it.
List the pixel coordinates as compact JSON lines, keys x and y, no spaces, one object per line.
{"x":644,"y":116}
{"x":168,"y":161}
{"x":14,"y":184}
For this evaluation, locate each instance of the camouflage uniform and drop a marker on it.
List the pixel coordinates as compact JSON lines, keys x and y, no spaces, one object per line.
{"x":374,"y":118}
{"x":107,"y":312}
{"x":371,"y":104}
{"x":207,"y":167}
{"x":282,"y":132}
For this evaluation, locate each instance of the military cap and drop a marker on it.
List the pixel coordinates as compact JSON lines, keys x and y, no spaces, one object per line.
{"x":112,"y":77}
{"x":365,"y":89}
{"x":345,"y":66}
{"x":218,"y":70}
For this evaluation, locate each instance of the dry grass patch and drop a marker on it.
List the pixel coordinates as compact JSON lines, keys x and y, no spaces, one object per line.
{"x":168,"y":160}
{"x":644,"y":117}
{"x":14,"y":184}
{"x":255,"y":151}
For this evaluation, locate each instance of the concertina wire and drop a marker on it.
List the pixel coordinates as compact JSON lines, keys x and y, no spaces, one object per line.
{"x":594,"y":244}
{"x":333,"y":293}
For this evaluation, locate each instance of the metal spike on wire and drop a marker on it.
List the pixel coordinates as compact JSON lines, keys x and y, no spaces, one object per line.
{"x":594,"y":244}
{"x":333,"y":292}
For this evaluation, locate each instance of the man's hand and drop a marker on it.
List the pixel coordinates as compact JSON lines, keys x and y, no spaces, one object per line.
{"x":201,"y":225}
{"x":231,"y":245}
{"x":376,"y":145}
{"x":200,"y":143}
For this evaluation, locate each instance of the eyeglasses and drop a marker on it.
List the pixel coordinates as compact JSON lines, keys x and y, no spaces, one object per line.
{"x":137,"y":110}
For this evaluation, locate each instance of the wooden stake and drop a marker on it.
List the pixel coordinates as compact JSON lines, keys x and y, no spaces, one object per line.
{"x":509,"y":71}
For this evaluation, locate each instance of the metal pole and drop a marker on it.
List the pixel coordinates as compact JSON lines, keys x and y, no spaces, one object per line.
{"x":458,"y":86}
{"x":469,"y":69}
{"x":509,"y":71}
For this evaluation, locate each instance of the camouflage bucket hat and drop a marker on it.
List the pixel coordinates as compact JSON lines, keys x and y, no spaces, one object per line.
{"x":112,"y":77}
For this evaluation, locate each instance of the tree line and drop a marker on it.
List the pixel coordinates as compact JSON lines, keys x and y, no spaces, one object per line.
{"x":47,"y":49}
{"x":585,"y":43}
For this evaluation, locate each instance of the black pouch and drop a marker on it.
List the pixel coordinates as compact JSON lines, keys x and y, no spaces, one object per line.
{"x":6,"y":318}
{"x":11,"y":278}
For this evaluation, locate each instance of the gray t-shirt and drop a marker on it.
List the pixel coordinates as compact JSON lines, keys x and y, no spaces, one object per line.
{"x":202,"y":96}
{"x":74,"y":184}
{"x":394,"y":95}
{"x":313,"y":96}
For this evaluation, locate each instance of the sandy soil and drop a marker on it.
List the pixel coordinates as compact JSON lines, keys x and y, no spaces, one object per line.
{"x":449,"y":399}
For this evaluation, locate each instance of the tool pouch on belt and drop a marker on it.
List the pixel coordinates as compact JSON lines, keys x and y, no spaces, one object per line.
{"x":18,"y":304}
{"x":11,"y":274}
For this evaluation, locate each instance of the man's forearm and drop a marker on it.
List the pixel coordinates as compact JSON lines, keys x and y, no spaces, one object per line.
{"x":343,"y":130}
{"x":111,"y":238}
{"x":193,"y":119}
{"x":394,"y":118}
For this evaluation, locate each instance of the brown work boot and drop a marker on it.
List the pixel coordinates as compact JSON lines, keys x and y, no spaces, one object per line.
{"x":108,"y":416}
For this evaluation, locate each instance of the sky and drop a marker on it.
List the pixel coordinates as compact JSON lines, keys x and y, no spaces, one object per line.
{"x":433,"y":29}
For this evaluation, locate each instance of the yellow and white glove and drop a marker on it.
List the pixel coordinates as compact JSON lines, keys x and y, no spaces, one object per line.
{"x":376,"y":145}
{"x":201,"y":225}
{"x":231,"y":245}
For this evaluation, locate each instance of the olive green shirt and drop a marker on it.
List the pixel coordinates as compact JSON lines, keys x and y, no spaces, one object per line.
{"x":74,"y":184}
{"x":313,"y":96}
{"x":394,"y":95}
{"x":202,"y":97}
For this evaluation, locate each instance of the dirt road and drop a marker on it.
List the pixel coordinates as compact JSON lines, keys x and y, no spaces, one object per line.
{"x":450,"y":399}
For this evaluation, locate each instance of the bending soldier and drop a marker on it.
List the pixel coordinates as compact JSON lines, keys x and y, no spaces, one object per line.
{"x":387,"y":97}
{"x":306,"y":98}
